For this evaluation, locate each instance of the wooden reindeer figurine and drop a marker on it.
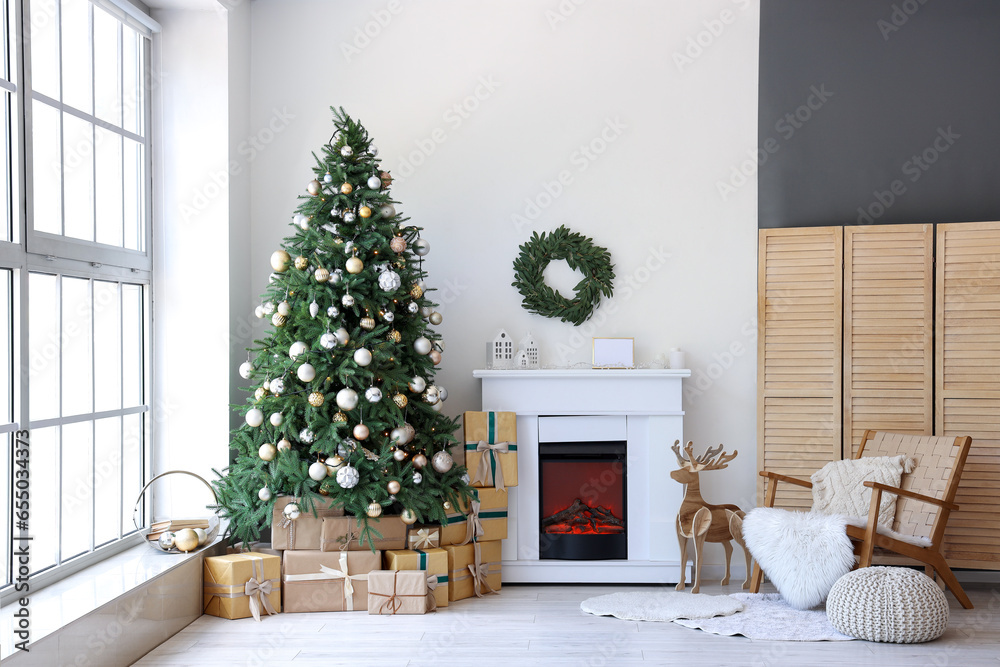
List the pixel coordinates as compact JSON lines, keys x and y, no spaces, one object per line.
{"x":701,"y":521}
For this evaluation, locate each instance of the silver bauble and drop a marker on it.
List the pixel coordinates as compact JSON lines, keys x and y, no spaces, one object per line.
{"x":336,"y":276}
{"x":388,"y":316}
{"x":332,"y":311}
{"x":435,"y":318}
{"x":328,"y":341}
{"x":347,"y":300}
{"x":421,"y":247}
{"x":277,"y":386}
{"x":374,"y":183}
{"x":442,"y":394}
{"x":442,"y":462}
{"x":465,"y":478}
{"x":373,"y":394}
{"x":306,"y":436}
{"x":413,"y":308}
{"x":328,"y":177}
{"x":417,"y":478}
{"x":373,"y":150}
{"x":349,"y":216}
{"x":166,"y":540}
{"x":292,"y":511}
{"x":387,"y":210}
{"x":346,"y":151}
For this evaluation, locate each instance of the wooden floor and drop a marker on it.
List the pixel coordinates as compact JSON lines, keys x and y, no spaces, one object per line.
{"x":528,"y":625}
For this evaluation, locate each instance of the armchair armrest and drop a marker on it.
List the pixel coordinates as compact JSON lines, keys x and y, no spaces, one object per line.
{"x":911,"y":494}
{"x":778,"y":477}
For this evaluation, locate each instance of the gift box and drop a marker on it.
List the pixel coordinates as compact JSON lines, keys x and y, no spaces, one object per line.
{"x":491,"y":448}
{"x":423,"y":537}
{"x":304,"y":532}
{"x":434,"y":563}
{"x":473,"y":569}
{"x":400,"y":592}
{"x":487,"y":517}
{"x":344,"y":534}
{"x":328,"y":581}
{"x":455,"y":530}
{"x":242,"y":585}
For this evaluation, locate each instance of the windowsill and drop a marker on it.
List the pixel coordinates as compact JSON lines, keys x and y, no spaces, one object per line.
{"x":63,"y":602}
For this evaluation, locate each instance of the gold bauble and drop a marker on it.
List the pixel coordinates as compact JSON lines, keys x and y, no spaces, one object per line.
{"x":280,"y":260}
{"x":284,"y":444}
{"x":446,"y":506}
{"x":365,"y":212}
{"x":186,"y":540}
{"x":408,"y":517}
{"x":301,"y":263}
{"x":419,"y":461}
{"x":393,"y":487}
{"x":260,"y":393}
{"x":367,"y":323}
{"x":361,"y":432}
{"x":314,"y":187}
{"x":374,"y":510}
{"x":346,"y":188}
{"x":355,"y":265}
{"x":316,"y":399}
{"x":339,"y":417}
{"x":394,"y":336}
{"x":416,"y":292}
{"x":321,"y":275}
{"x":278,"y":320}
{"x":323,"y":491}
{"x":399,"y":400}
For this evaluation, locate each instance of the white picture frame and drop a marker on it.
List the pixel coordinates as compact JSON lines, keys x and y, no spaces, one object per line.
{"x":614,"y":353}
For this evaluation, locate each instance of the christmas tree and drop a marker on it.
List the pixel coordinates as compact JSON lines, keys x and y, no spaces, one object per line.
{"x":343,"y":402}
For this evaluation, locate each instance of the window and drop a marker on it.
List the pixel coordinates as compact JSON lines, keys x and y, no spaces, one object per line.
{"x":75,"y":273}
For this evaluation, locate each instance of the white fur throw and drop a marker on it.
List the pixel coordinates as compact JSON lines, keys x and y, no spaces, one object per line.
{"x":838,"y":487}
{"x":802,"y":553}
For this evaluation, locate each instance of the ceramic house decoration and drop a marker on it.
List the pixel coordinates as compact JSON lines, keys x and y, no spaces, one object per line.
{"x":502,"y":350}
{"x":527,"y":352}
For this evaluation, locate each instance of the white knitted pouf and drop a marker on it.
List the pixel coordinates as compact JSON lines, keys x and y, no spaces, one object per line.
{"x":888,"y":604}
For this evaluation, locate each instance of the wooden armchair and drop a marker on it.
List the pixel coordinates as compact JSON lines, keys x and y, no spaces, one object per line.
{"x":925,"y":500}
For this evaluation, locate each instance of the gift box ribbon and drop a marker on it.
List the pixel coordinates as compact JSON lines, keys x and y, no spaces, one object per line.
{"x":474,"y":529}
{"x":423,"y":539}
{"x":394,"y":601}
{"x":257,"y":588}
{"x":328,"y":574}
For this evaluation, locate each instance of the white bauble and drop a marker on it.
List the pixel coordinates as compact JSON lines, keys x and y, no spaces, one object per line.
{"x":271,"y":278}
{"x":347,"y":399}
{"x":317,"y":471}
{"x":442,"y":462}
{"x":292,"y":511}
{"x":332,"y":311}
{"x":348,"y":477}
{"x":264,"y":494}
{"x":342,"y":336}
{"x":276,"y":419}
{"x":348,"y":247}
{"x":347,"y":300}
{"x":417,"y":478}
{"x":259,"y":312}
{"x":437,"y":407}
{"x":422,"y":345}
{"x":417,"y":384}
{"x":254,"y":417}
{"x":374,"y":183}
{"x":267,"y":451}
{"x":389,"y":281}
{"x":328,"y":340}
{"x":465,"y":478}
{"x":349,"y":216}
{"x":284,"y":308}
{"x":277,"y":386}
{"x":373,"y":394}
{"x":313,"y":309}
{"x":421,"y":247}
{"x":297,"y":348}
{"x":284,"y":445}
{"x":399,"y":435}
{"x":362,"y":357}
{"x":306,"y":372}
{"x":306,"y":436}
{"x":268,"y":307}
{"x":245,"y":369}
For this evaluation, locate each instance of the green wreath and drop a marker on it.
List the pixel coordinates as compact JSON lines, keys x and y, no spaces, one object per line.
{"x":580,"y":253}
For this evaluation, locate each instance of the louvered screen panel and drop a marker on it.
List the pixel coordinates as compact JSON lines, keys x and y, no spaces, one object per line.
{"x":799,"y":308}
{"x":888,"y":331}
{"x":968,"y":382}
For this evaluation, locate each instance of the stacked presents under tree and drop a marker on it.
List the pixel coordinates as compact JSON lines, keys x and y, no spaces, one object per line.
{"x":324,"y":560}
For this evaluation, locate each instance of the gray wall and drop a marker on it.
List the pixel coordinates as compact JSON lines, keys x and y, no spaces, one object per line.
{"x":878,"y":111}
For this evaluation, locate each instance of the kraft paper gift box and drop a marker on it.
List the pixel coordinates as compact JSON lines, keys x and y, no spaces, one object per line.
{"x":473,"y":569}
{"x":242,"y":585}
{"x":306,"y":531}
{"x":434,"y":563}
{"x":491,"y":448}
{"x":400,"y":592}
{"x":487,"y":517}
{"x":423,"y":537}
{"x":344,"y":534}
{"x":328,"y":581}
{"x":455,"y":530}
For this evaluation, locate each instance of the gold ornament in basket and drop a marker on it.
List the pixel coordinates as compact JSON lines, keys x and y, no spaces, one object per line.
{"x":177,"y":535}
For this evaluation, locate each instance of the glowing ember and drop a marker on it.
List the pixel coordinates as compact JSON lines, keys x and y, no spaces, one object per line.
{"x":582,"y":519}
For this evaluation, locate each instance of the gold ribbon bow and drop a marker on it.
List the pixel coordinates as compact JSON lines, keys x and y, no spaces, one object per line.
{"x":479,"y":573}
{"x":488,"y":458}
{"x":326,"y":573}
{"x":474,"y":527}
{"x":422,"y":539}
{"x":259,"y":591}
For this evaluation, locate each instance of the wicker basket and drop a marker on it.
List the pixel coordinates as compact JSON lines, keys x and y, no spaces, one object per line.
{"x":212,"y":531}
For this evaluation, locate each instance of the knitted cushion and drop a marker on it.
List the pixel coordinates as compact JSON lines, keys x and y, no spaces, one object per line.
{"x":888,"y":604}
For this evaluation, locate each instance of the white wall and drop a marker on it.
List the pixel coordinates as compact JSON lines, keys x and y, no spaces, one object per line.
{"x":191,"y":271}
{"x":557,"y":76}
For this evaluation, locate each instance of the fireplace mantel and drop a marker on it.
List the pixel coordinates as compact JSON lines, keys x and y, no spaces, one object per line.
{"x":645,"y":404}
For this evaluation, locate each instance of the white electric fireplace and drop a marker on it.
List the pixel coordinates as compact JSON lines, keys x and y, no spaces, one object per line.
{"x":595,"y":502}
